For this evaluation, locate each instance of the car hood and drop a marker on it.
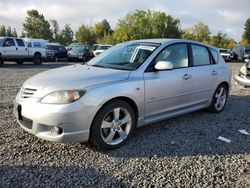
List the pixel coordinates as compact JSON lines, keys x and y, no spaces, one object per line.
{"x":73,"y":77}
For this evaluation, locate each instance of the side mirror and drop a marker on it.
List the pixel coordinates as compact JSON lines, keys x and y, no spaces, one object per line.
{"x":164,"y":65}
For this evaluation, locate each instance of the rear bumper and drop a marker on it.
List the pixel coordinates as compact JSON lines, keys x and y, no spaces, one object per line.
{"x":242,"y":80}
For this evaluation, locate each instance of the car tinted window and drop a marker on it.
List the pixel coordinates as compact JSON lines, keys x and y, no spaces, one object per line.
{"x":177,"y":54}
{"x":200,"y":55}
{"x":20,"y":42}
{"x":37,"y":44}
{"x":9,"y":42}
{"x":215,"y":55}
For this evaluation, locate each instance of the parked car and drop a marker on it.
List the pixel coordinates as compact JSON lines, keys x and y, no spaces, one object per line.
{"x":55,"y":52}
{"x":14,"y":49}
{"x":243,"y":77}
{"x":242,"y":52}
{"x":81,"y":53}
{"x":100,"y":49}
{"x":129,"y":85}
{"x":73,"y":45}
{"x":227,"y":54}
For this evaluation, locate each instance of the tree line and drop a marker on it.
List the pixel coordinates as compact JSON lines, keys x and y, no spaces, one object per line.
{"x":139,"y":24}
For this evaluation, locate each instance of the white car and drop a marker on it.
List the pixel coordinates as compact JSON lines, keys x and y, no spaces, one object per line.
{"x":16,"y":49}
{"x":100,"y":49}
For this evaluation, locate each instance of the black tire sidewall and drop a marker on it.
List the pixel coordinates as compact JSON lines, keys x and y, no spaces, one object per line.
{"x":37,"y":59}
{"x":1,"y":60}
{"x":95,"y":131}
{"x":212,"y":106}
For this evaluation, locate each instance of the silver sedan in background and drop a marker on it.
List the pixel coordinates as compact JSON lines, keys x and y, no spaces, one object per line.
{"x":129,"y":85}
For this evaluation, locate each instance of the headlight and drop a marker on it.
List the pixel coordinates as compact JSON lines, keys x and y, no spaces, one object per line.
{"x":243,"y":70}
{"x":63,"y":97}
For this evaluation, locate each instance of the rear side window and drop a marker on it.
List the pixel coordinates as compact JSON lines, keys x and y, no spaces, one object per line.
{"x":177,"y":54}
{"x":37,"y":44}
{"x":215,"y":55}
{"x":20,"y":42}
{"x":200,"y":55}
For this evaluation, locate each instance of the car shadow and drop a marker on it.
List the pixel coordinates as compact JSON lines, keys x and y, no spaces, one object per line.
{"x":193,"y":134}
{"x":54,"y":176}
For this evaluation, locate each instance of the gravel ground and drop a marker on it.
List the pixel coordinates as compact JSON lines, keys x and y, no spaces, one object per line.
{"x":179,"y":152}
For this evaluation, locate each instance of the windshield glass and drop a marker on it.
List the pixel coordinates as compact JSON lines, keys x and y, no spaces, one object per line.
{"x":103,"y":47}
{"x":125,"y":56}
{"x":1,"y":41}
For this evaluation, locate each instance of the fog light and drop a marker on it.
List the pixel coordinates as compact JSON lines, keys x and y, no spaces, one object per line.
{"x":56,"y":130}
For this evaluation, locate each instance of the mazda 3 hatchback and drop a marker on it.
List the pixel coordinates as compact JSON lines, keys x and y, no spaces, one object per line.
{"x":129,"y":85}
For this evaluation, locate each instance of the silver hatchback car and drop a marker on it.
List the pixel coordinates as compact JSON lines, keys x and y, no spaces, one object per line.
{"x":129,"y":85}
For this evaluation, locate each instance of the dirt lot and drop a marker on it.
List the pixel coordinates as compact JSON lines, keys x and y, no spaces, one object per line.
{"x":179,"y":152}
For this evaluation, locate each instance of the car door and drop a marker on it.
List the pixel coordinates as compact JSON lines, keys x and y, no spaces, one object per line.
{"x":10,"y":49}
{"x":168,"y":92}
{"x":21,"y":49}
{"x":205,"y":73}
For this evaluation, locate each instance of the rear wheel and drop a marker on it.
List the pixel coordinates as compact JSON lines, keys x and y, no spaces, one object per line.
{"x":37,"y":59}
{"x":219,"y":99}
{"x":1,"y":60}
{"x":19,"y":62}
{"x":113,"y":125}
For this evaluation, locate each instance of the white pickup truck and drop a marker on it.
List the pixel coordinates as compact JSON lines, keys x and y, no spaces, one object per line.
{"x":16,"y":49}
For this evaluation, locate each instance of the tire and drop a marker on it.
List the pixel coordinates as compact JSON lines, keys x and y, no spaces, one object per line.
{"x":1,"y":61}
{"x":84,"y":58}
{"x":19,"y":62}
{"x":108,"y":130}
{"x":55,"y":59}
{"x":219,"y":99}
{"x":37,"y":59}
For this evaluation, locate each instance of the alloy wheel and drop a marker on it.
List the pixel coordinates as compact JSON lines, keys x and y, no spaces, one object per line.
{"x":220,"y":98}
{"x":116,"y":126}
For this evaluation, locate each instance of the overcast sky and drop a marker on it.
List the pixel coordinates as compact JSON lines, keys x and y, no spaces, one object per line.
{"x":227,"y":16}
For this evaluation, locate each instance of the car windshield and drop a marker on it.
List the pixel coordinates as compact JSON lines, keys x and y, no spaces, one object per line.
{"x":125,"y":56}
{"x":1,"y":41}
{"x":103,"y":47}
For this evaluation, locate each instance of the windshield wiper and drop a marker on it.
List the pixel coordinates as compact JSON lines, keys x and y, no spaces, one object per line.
{"x":101,"y":66}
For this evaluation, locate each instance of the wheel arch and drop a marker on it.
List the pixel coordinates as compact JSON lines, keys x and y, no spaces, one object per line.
{"x":225,"y":83}
{"x":37,"y":53}
{"x":126,"y":99}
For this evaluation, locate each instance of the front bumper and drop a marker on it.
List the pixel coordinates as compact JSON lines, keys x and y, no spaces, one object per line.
{"x":242,"y":80}
{"x":37,"y":118}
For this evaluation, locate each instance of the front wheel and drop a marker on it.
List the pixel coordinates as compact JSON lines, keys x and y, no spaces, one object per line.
{"x":219,"y":99}
{"x":113,"y":125}
{"x":1,"y":60}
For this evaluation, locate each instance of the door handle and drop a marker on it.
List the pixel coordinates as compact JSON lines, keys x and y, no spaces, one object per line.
{"x":16,"y":48}
{"x":214,"y":72}
{"x":186,"y":76}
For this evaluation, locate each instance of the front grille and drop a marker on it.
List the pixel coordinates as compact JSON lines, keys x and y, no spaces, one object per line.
{"x":27,"y":92}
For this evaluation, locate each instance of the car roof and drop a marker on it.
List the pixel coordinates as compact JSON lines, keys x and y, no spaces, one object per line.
{"x":170,"y":40}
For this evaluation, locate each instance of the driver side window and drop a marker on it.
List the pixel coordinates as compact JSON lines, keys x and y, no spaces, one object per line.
{"x":176,"y":54}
